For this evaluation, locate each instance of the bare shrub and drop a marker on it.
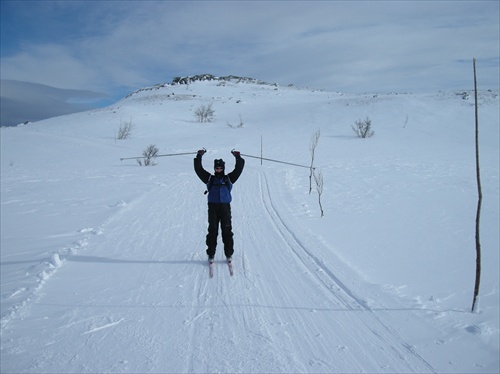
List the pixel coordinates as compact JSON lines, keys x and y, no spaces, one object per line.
{"x":363,"y":128}
{"x":205,"y":113}
{"x":149,"y":154}
{"x":318,"y":177}
{"x":125,"y":130}
{"x":238,"y":126}
{"x":312,"y":147}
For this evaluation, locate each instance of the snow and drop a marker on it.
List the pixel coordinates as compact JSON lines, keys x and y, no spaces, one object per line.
{"x":103,"y":266}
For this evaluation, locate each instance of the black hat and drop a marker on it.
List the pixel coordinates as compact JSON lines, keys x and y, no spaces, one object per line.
{"x":219,"y":163}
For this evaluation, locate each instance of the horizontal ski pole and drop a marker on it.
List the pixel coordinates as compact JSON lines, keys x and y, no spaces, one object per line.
{"x":167,"y":155}
{"x":281,"y":162}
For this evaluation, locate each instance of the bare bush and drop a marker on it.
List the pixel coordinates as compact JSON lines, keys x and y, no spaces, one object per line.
{"x":318,"y":177}
{"x":312,"y":147}
{"x":125,"y":130}
{"x":205,"y":113}
{"x":363,"y":128}
{"x":238,"y":126}
{"x":149,"y":154}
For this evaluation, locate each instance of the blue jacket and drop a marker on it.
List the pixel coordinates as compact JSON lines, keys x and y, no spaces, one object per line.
{"x":219,"y":189}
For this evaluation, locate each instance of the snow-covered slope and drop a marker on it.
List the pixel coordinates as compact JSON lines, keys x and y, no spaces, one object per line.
{"x":103,"y":266}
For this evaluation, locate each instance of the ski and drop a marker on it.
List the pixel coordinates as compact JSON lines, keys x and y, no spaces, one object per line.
{"x":211,"y":269}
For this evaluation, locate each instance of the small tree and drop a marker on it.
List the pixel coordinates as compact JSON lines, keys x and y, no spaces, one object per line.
{"x":239,"y":126}
{"x":149,"y":154}
{"x":363,"y":128}
{"x":318,"y":177}
{"x":205,"y":113}
{"x":125,"y":130}
{"x":312,"y":147}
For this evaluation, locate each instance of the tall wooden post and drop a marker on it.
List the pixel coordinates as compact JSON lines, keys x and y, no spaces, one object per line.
{"x":479,"y":201}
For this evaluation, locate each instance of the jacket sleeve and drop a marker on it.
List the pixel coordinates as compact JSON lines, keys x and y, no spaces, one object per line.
{"x":238,"y":168}
{"x":200,"y":172}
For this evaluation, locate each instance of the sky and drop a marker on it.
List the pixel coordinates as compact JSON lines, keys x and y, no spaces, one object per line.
{"x":59,"y":57}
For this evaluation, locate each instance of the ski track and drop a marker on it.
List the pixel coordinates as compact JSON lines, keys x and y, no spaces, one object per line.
{"x":149,"y":264}
{"x":342,"y":294}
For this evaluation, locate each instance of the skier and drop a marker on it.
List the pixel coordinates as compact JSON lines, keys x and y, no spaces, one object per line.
{"x":219,"y":187}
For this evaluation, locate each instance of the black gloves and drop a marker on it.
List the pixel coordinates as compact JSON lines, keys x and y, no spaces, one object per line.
{"x":201,"y":152}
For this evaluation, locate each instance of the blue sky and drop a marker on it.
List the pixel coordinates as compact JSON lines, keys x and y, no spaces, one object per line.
{"x":92,"y":53}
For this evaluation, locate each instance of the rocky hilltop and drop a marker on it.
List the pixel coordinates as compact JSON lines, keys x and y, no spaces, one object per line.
{"x":204,"y":77}
{"x":210,"y":77}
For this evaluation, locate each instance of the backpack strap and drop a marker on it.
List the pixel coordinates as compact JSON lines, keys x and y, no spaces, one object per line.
{"x":228,"y":182}
{"x":209,"y":184}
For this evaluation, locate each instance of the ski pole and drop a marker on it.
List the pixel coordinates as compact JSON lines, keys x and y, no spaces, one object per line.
{"x":281,"y":162}
{"x":167,"y":155}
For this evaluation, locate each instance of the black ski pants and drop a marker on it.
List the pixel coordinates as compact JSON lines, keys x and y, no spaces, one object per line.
{"x":219,"y":214}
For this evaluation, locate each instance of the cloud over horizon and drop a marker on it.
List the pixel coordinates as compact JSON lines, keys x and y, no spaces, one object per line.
{"x":30,"y":102}
{"x":115,"y":47}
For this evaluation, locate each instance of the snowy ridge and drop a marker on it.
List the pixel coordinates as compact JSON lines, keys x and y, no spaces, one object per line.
{"x":103,"y":262}
{"x":202,"y":78}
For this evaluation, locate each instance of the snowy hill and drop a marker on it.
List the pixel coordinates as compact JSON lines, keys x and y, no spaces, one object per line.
{"x":103,"y":265}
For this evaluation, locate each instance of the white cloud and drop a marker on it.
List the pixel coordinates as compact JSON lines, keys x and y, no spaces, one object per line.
{"x":24,"y":101}
{"x":352,"y":46}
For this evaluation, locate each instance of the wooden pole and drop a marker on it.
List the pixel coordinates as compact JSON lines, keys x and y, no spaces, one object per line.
{"x":479,"y":201}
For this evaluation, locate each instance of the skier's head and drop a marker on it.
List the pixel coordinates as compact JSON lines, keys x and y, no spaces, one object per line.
{"x":219,"y":166}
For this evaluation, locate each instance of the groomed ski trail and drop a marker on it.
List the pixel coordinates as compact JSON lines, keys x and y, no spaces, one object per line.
{"x":148,"y":304}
